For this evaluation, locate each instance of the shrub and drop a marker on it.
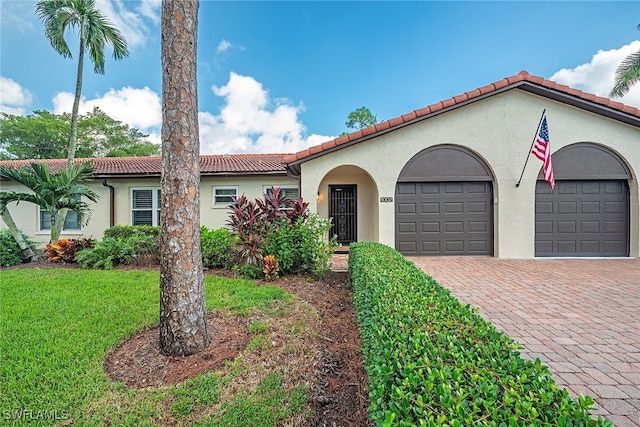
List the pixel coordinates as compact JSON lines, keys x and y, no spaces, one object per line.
{"x":301,"y":247}
{"x":10,"y":253}
{"x":283,"y":228}
{"x":126,"y":231}
{"x":271,"y":267}
{"x":65,"y":250}
{"x":111,"y":251}
{"x":216,"y":247}
{"x":433,"y":361}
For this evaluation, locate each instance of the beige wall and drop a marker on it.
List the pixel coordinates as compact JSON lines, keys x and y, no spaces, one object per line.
{"x":500,"y":130}
{"x":26,"y":214}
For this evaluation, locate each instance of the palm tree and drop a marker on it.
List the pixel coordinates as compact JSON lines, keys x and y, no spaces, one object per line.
{"x":183,"y":316}
{"x":627,"y":74}
{"x":52,"y":192}
{"x":94,"y":31}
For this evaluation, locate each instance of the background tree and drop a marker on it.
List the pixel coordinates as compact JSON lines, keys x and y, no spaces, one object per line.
{"x":183,"y":316}
{"x":94,"y":32}
{"x":361,"y":118}
{"x":65,"y":189}
{"x":627,"y":74}
{"x":44,"y":135}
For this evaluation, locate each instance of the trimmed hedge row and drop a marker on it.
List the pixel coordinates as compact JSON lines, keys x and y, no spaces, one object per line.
{"x":432,"y":361}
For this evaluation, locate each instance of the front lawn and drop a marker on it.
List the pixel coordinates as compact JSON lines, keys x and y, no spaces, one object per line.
{"x":58,"y":325}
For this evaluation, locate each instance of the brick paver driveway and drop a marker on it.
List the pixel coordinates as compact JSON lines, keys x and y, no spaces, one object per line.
{"x":581,"y":317}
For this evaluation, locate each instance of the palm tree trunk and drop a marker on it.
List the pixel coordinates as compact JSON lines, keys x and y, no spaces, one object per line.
{"x":73,"y":139}
{"x":13,"y":228}
{"x":183,"y":317}
{"x":56,"y":224}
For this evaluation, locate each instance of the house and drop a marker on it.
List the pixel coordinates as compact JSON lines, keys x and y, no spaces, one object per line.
{"x":440,"y":180}
{"x":129,"y":191}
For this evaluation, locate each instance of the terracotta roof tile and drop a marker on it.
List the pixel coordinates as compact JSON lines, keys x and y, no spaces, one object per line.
{"x":523,"y":76}
{"x":151,"y":166}
{"x":355,"y":135}
{"x":409,"y":116}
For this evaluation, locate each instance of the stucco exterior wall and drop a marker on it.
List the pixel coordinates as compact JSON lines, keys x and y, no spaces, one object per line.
{"x":26,"y":214}
{"x":500,"y":129}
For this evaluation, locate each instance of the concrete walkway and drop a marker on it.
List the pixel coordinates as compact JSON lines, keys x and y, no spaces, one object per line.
{"x":581,"y":317}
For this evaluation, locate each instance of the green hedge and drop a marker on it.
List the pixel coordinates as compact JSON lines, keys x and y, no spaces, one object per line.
{"x":127,"y":231}
{"x":432,"y":361}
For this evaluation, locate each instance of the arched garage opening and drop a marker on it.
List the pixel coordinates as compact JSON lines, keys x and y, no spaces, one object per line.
{"x":443,"y":204}
{"x":587,"y":214}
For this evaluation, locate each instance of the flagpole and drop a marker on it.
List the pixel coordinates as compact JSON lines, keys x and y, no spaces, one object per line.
{"x":531,"y":148}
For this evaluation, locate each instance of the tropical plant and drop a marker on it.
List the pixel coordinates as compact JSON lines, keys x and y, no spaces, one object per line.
{"x":271,"y":267}
{"x":65,"y":189}
{"x":627,"y":74}
{"x":10,"y":252}
{"x":183,"y":316}
{"x":65,"y":250}
{"x":94,"y":32}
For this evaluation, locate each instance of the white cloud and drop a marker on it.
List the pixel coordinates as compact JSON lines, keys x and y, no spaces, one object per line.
{"x":224,"y":46}
{"x":129,"y":22}
{"x":139,"y":108}
{"x":18,"y":14}
{"x":151,"y":10}
{"x":13,"y":98}
{"x":249,"y":123}
{"x":597,"y":76}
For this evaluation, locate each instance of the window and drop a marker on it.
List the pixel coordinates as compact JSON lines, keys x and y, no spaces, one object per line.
{"x":222,"y":196}
{"x":70,"y":223}
{"x":145,"y":206}
{"x":290,"y":193}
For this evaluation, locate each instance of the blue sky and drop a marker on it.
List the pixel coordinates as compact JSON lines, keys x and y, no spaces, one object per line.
{"x":280,"y":76}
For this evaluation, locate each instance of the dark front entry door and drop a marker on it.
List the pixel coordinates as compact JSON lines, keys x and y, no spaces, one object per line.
{"x":342,"y":212}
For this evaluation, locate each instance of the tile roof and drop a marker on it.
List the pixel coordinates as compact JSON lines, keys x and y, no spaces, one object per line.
{"x":523,"y":80}
{"x":229,"y":164}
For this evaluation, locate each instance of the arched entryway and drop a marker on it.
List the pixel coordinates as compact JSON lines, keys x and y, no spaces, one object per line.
{"x":349,"y":197}
{"x":444,"y":204}
{"x":587,"y":214}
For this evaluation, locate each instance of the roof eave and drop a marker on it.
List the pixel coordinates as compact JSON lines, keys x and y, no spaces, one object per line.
{"x":565,"y":98}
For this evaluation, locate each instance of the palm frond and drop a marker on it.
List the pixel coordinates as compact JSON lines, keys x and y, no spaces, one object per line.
{"x":627,"y":75}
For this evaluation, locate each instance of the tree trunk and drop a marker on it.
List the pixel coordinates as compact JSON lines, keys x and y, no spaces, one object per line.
{"x":73,"y":139}
{"x":183,"y":323}
{"x":13,"y":228}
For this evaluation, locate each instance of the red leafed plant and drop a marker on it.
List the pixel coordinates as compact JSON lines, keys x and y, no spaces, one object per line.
{"x":271,"y":267}
{"x":64,"y":250}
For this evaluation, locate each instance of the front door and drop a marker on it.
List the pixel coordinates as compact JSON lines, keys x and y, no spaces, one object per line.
{"x":342,"y":212}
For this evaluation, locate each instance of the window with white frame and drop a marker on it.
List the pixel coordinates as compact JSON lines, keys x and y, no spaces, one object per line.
{"x":223,"y":195}
{"x":290,"y":193}
{"x":145,"y":206}
{"x":70,"y":222}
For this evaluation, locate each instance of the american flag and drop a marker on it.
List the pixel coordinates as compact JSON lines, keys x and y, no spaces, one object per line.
{"x":542,"y":150}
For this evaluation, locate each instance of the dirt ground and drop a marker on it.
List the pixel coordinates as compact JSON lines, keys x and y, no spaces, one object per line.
{"x":339,"y":397}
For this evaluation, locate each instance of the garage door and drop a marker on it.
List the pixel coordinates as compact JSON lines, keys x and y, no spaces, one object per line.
{"x":582,"y":218}
{"x":444,"y":218}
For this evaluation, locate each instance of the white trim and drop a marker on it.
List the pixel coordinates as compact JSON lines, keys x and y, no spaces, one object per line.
{"x":44,"y":231}
{"x":155,"y":204}
{"x":225,"y":204}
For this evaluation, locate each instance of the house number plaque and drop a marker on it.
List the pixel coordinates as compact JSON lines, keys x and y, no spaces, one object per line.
{"x":386,"y":199}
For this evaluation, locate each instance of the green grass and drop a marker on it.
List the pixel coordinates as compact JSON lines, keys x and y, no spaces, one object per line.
{"x":58,"y":325}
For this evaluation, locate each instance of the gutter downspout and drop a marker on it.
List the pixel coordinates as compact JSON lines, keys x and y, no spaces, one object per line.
{"x":112,"y":197}
{"x":291,"y":174}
